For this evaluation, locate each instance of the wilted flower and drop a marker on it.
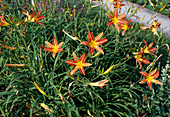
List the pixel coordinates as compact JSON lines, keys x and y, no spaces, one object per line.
{"x":8,"y":47}
{"x":55,"y":48}
{"x":94,"y":43}
{"x":46,"y":107}
{"x":100,"y":84}
{"x":3,"y":22}
{"x":78,"y":63}
{"x":115,"y":19}
{"x":149,"y":78}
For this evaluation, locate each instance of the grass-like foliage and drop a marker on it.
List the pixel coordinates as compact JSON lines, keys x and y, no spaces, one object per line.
{"x":72,"y":58}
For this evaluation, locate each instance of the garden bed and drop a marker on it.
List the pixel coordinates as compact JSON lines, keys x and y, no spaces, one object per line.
{"x":60,"y":58}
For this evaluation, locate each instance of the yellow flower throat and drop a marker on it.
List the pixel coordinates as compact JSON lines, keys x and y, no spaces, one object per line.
{"x":114,"y":20}
{"x":93,"y":44}
{"x":149,"y":78}
{"x":79,"y":64}
{"x":55,"y":49}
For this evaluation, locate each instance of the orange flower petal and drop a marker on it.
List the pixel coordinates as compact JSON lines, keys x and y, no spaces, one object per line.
{"x":145,"y":74}
{"x":115,"y":13}
{"x":145,"y":61}
{"x":54,"y":54}
{"x":90,"y":36}
{"x":156,"y":75}
{"x":157,"y":82}
{"x":150,"y":85}
{"x":71,"y":62}
{"x":150,"y":45}
{"x":82,"y":71}
{"x":85,"y":43}
{"x":83,"y":57}
{"x":121,"y":16}
{"x":48,"y":49}
{"x":116,"y":27}
{"x":142,"y":81}
{"x":91,"y":50}
{"x":140,"y":64}
{"x":153,"y":72}
{"x":101,"y":41}
{"x":99,"y":36}
{"x":75,"y":57}
{"x":60,"y":50}
{"x":86,"y":64}
{"x":74,"y":70}
{"x":55,"y":41}
{"x":49,"y":44}
{"x":60,"y":44}
{"x":109,"y":15}
{"x":99,"y":49}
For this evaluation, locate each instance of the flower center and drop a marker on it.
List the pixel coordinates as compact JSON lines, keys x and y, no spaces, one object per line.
{"x":55,"y":49}
{"x":93,"y":44}
{"x":118,"y":5}
{"x":79,"y":64}
{"x":146,"y":50}
{"x":149,"y":78}
{"x":125,"y":27}
{"x":114,"y":20}
{"x":138,"y":57}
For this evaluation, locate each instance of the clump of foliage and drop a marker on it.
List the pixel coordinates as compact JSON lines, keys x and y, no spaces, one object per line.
{"x":73,"y":58}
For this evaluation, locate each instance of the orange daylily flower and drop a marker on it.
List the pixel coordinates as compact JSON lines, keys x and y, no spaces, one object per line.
{"x":100,"y":84}
{"x":149,"y":49}
{"x":125,"y":26}
{"x":55,"y":48}
{"x":34,"y":18}
{"x":115,"y":19}
{"x":3,"y":22}
{"x":118,"y":4}
{"x":140,"y":59}
{"x":79,"y":63}
{"x":153,"y":27}
{"x":149,"y":78}
{"x":94,"y":43}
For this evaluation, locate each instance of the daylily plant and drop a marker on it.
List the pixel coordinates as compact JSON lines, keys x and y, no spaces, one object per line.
{"x":55,"y":48}
{"x":115,"y":19}
{"x":140,"y":59}
{"x":34,"y":18}
{"x":149,"y":78}
{"x":78,"y":63}
{"x":94,"y":43}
